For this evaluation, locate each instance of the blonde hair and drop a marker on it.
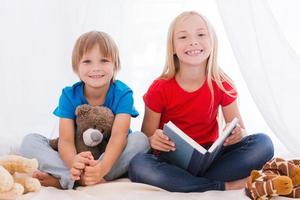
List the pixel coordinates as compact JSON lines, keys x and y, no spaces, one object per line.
{"x":107,"y":47}
{"x":213,"y":71}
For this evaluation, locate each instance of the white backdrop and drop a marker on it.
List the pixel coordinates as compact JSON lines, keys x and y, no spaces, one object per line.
{"x":264,"y":49}
{"x":37,"y":37}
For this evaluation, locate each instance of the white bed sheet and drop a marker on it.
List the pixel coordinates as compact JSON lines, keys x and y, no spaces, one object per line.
{"x":123,"y":189}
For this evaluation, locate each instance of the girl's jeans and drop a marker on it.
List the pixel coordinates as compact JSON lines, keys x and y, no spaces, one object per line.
{"x":235,"y":162}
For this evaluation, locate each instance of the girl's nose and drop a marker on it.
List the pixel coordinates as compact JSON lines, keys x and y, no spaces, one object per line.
{"x":194,"y":43}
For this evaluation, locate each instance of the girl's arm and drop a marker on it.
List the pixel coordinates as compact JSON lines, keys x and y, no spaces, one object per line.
{"x":66,"y":144}
{"x":158,"y":140}
{"x":150,"y":121}
{"x":229,"y":112}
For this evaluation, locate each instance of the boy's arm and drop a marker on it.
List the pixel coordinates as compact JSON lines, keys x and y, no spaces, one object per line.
{"x":97,"y":170}
{"x":117,"y":141}
{"x":66,"y":144}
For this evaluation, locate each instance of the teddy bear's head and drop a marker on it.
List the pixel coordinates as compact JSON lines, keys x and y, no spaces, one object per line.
{"x":94,"y":124}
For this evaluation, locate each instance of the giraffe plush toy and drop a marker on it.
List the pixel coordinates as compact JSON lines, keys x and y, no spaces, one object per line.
{"x":278,"y":177}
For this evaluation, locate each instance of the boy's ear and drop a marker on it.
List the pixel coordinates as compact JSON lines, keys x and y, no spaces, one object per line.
{"x":81,"y":110}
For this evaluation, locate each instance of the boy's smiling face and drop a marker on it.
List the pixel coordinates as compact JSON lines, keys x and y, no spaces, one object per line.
{"x":94,"y":69}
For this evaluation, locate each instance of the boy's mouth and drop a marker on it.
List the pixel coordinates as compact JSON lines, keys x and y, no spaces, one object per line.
{"x":96,"y":76}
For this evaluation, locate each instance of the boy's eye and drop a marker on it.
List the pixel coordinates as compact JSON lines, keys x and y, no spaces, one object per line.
{"x":201,"y":34}
{"x":86,"y":61}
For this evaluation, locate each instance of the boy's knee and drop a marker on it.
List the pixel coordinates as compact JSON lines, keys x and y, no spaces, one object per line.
{"x":139,"y":142}
{"x":29,"y":142}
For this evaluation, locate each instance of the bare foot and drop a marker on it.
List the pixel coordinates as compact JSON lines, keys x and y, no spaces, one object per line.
{"x":82,"y":181}
{"x":236,"y":185}
{"x":46,"y":179}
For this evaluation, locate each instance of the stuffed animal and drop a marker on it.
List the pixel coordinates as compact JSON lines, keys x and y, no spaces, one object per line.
{"x":278,"y":177}
{"x":94,"y":124}
{"x":15,"y":176}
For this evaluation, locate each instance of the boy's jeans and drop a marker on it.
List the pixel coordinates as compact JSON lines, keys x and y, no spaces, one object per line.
{"x":37,"y":146}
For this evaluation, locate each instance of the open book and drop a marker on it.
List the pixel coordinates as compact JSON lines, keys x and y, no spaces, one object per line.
{"x":190,"y":155}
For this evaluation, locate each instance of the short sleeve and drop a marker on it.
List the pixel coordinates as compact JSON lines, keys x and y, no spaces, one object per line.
{"x":126,"y":104}
{"x":65,"y":108}
{"x":154,"y":97}
{"x":228,"y":98}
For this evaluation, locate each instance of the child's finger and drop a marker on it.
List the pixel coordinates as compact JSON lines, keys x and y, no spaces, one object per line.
{"x":163,"y":146}
{"x":82,"y":160}
{"x":86,"y":154}
{"x":78,"y":165}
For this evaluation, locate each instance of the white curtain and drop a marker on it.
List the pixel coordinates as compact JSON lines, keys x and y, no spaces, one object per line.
{"x":37,"y":37}
{"x":36,"y":41}
{"x":258,"y":32}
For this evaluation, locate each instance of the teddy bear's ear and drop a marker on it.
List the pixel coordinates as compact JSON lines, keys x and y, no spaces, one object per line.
{"x":82,"y":109}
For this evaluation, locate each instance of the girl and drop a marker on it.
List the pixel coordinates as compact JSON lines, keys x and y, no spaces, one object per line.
{"x":95,"y":60}
{"x":189,"y":93}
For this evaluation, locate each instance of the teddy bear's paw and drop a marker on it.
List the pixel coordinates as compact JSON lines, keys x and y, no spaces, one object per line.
{"x":16,"y":191}
{"x":294,"y":174}
{"x":270,"y":186}
{"x":289,"y":168}
{"x":295,"y":193}
{"x":32,"y":184}
{"x":6,"y":180}
{"x":282,"y":185}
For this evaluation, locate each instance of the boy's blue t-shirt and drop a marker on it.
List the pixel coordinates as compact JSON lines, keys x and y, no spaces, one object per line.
{"x":119,"y":99}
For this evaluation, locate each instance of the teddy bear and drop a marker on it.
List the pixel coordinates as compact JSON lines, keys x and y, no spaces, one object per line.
{"x":279,"y":177}
{"x":93,"y":129}
{"x":15,"y":176}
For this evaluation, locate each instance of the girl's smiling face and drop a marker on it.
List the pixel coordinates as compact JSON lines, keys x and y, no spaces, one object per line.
{"x":191,"y":41}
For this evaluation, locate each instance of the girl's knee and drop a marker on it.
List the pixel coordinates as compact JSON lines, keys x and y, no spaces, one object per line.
{"x":138,"y":167}
{"x":265,"y":144}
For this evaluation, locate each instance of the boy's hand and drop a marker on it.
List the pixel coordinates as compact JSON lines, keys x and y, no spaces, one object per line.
{"x":93,"y":173}
{"x":161,"y":142}
{"x":236,"y":136}
{"x":79,"y":163}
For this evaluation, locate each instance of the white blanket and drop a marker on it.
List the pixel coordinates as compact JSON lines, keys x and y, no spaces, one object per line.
{"x":123,"y":189}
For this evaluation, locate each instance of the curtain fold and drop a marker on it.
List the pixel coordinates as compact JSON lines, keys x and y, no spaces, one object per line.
{"x":269,"y":65}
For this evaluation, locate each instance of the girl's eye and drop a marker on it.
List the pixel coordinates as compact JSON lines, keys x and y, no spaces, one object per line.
{"x":104,"y":60}
{"x":201,"y":34}
{"x":182,"y":37}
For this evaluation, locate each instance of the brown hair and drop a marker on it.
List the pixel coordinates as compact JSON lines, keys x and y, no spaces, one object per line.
{"x":106,"y":45}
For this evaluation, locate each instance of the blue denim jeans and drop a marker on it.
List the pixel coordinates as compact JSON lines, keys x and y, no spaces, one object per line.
{"x":235,"y":162}
{"x":37,"y":146}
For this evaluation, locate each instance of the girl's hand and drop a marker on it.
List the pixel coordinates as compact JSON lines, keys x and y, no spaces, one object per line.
{"x":93,"y":173}
{"x":236,"y":136}
{"x":159,"y":141}
{"x":79,"y":163}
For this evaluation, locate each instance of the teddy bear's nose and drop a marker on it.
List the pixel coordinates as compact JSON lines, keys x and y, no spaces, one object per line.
{"x":96,"y":136}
